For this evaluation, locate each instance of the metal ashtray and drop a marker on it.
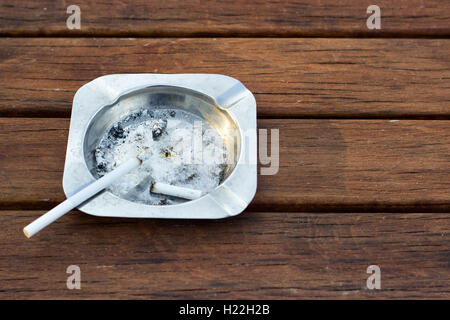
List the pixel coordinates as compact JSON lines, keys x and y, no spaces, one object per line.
{"x":221,"y":101}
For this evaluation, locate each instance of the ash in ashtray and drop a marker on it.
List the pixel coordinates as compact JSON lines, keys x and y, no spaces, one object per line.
{"x":173,"y":139}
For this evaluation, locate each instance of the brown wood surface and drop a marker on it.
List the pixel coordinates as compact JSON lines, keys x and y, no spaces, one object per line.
{"x":355,"y":186}
{"x":324,"y":164}
{"x":255,"y":255}
{"x":339,"y":78}
{"x":242,"y":18}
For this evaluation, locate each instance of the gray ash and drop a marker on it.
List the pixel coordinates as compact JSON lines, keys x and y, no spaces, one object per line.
{"x":162,"y":131}
{"x":117,"y":131}
{"x":159,"y":128}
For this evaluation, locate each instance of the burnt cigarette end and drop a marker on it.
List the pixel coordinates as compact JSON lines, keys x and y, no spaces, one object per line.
{"x":158,"y":128}
{"x":152,"y":187}
{"x":163,"y":202}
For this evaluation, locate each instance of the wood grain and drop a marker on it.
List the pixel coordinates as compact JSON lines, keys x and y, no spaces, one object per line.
{"x":226,"y":18}
{"x":253,"y":256}
{"x":319,"y":78}
{"x":325,"y":165}
{"x":349,"y":192}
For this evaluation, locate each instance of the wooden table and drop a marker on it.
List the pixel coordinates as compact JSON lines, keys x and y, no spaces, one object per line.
{"x":364,"y":177}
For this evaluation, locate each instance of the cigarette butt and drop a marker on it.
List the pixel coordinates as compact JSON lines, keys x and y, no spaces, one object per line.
{"x":179,"y":192}
{"x":79,"y":197}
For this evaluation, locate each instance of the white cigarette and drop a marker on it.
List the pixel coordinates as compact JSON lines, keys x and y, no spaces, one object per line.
{"x":80,"y":197}
{"x":180,"y":192}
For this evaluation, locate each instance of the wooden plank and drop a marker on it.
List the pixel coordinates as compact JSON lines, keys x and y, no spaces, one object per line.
{"x":339,"y":78}
{"x":226,"y":18}
{"x":252,"y":256}
{"x":325,"y":165}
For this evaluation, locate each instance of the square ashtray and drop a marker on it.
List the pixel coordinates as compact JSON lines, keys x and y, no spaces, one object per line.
{"x":221,"y":101}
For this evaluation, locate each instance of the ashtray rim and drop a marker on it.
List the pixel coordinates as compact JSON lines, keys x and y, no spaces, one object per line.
{"x":227,"y":199}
